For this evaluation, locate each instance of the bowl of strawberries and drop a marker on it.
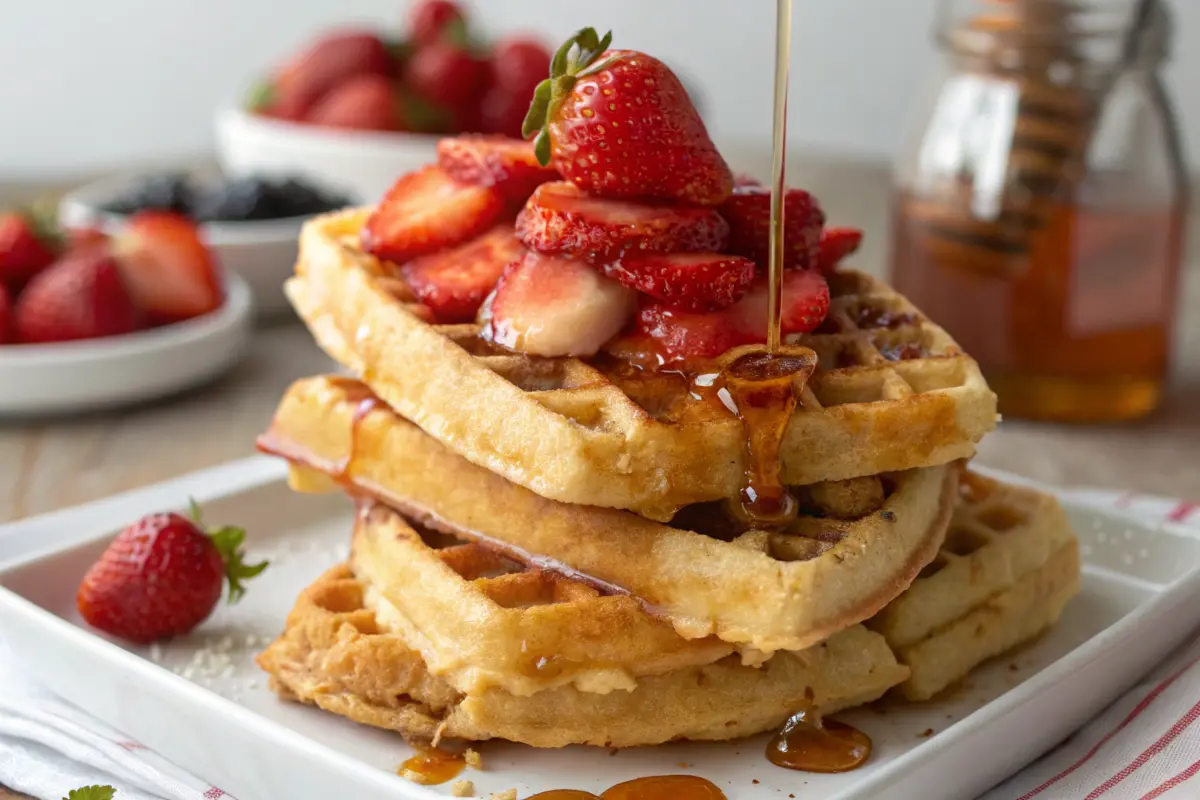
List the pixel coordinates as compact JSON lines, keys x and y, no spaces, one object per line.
{"x":357,"y":107}
{"x":90,"y":320}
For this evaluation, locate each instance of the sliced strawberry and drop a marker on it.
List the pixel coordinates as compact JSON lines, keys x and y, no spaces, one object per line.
{"x":454,"y":282}
{"x":426,"y":211}
{"x":560,"y":218}
{"x":748,"y":212}
{"x":687,"y":281}
{"x":170,"y":272}
{"x":550,"y":306}
{"x":688,"y":334}
{"x":508,"y":164}
{"x":836,"y":244}
{"x":805,"y":304}
{"x":683,"y":335}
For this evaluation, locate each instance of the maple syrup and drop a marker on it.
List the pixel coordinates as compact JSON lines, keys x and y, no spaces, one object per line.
{"x":763,"y":390}
{"x":563,"y":794}
{"x":1078,"y":326}
{"x":434,"y":766}
{"x":665,"y":787}
{"x":366,"y":404}
{"x":1039,"y":216}
{"x":810,"y":744}
{"x":783,"y":56}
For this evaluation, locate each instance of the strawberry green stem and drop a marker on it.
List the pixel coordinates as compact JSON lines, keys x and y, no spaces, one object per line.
{"x":228,"y":540}
{"x":576,"y":57}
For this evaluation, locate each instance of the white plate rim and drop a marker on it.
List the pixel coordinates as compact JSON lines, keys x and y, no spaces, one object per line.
{"x":237,"y":307}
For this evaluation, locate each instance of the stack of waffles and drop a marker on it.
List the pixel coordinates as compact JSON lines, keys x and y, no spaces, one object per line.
{"x":555,"y":542}
{"x":542,"y":551}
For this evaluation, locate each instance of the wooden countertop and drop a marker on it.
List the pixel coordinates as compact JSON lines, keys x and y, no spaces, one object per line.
{"x":48,"y":464}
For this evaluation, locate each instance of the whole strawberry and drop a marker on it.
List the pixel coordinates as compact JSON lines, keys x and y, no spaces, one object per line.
{"x":5,"y":316}
{"x":162,"y":576}
{"x":81,"y":296}
{"x":28,"y":244}
{"x":618,"y":123}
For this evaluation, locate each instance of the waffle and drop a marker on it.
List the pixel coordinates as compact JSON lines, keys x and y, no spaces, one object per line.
{"x":763,"y":592}
{"x":1009,"y":564}
{"x":480,"y":620}
{"x":344,"y":651}
{"x":892,"y":392}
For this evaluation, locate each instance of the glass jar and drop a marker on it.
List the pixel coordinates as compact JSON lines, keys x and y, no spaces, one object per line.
{"x":1039,"y":214}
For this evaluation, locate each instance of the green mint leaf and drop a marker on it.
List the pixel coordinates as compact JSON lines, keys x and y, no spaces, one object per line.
{"x":92,"y":793}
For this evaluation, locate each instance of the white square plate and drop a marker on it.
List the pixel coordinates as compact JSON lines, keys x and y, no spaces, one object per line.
{"x":201,"y":702}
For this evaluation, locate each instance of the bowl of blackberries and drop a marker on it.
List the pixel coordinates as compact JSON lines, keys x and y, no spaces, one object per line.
{"x":251,"y":223}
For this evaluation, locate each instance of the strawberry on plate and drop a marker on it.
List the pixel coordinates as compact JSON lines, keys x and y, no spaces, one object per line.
{"x":561,"y":219}
{"x":162,"y":576}
{"x":687,"y":281}
{"x":836,"y":244}
{"x":6,"y":326}
{"x":507,"y":164}
{"x":28,"y":244}
{"x":426,"y":211}
{"x":682,"y":335}
{"x":364,"y":102}
{"x":549,"y":306}
{"x":618,"y":123}
{"x":81,"y":296}
{"x":748,"y":211}
{"x":453,"y":283}
{"x":170,"y":272}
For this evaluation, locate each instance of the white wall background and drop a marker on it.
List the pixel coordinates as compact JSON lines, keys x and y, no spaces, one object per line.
{"x":92,"y":84}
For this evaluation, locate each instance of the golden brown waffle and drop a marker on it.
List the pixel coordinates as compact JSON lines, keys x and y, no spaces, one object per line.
{"x":343,"y":651}
{"x":1009,"y":565}
{"x":480,"y":620}
{"x":892,"y":392}
{"x":783,"y":591}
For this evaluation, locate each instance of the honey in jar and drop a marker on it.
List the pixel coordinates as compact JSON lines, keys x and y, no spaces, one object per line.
{"x":1039,"y":216}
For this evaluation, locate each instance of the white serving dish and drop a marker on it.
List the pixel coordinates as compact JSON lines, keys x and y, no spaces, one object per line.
{"x":96,"y":374}
{"x":363,"y":164}
{"x":1141,"y":596}
{"x":262,"y":252}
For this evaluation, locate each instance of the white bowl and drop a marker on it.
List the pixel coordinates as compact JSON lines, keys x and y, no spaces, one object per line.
{"x":94,"y":374}
{"x":263,"y":252}
{"x":363,"y":164}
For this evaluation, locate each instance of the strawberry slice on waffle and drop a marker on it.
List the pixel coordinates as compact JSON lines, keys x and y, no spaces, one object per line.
{"x":509,"y":165}
{"x":561,"y":219}
{"x":549,"y":306}
{"x":685,"y":335}
{"x":685,"y":281}
{"x":426,"y":211}
{"x":453,"y":283}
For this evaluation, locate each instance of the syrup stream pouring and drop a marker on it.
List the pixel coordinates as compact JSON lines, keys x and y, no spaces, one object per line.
{"x":783,"y":51}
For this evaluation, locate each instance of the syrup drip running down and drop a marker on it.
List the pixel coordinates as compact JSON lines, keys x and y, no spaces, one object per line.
{"x":434,"y":766}
{"x":810,"y":744}
{"x":366,"y":404}
{"x":659,"y":787}
{"x":763,"y":390}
